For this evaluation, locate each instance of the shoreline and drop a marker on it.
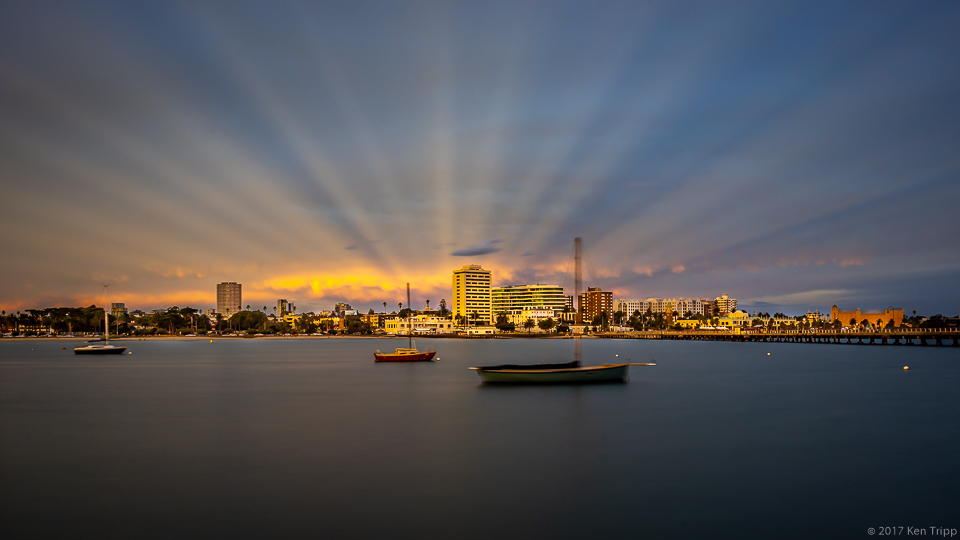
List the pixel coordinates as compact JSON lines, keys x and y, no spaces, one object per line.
{"x":241,"y":338}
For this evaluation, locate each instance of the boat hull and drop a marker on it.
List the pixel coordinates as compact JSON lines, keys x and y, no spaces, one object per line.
{"x":99,"y":350}
{"x":589,"y":374}
{"x":419,"y":357}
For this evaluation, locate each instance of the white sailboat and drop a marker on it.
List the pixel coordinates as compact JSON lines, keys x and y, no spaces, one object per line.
{"x":101,"y":346}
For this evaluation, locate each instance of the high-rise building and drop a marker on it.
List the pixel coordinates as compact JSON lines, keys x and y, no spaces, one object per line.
{"x":471,"y":294}
{"x":228,"y":298}
{"x":725,"y":304}
{"x":513,"y":297}
{"x":118,"y":308}
{"x":284,"y":307}
{"x":594,"y":302}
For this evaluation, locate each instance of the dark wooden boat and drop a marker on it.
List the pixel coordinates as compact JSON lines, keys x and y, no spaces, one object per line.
{"x":553,"y":373}
{"x":570,"y":372}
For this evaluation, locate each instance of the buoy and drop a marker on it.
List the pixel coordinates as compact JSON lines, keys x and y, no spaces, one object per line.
{"x":768,"y":354}
{"x":64,"y":348}
{"x":906,"y":368}
{"x":211,"y":341}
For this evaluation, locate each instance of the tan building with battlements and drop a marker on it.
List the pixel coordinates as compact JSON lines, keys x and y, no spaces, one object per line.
{"x":875,"y":319}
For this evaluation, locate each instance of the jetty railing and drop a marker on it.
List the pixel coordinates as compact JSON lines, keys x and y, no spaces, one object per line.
{"x":886,"y":336}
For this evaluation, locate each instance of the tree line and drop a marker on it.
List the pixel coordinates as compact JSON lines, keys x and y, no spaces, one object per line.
{"x":172,"y":321}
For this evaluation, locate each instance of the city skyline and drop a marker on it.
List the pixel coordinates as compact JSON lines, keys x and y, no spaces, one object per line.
{"x":793,"y":156}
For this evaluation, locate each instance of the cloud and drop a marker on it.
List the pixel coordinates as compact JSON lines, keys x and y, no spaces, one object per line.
{"x":526,"y":254}
{"x":820,"y":296}
{"x":482,"y":248}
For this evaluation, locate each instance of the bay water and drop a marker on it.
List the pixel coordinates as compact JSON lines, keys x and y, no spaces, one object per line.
{"x":311,"y":438}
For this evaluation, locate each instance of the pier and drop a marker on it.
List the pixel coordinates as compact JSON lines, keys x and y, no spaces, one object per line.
{"x":894,"y":336}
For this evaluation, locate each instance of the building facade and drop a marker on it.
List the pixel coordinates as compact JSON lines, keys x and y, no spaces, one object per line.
{"x":471,"y":294}
{"x":419,"y":324}
{"x":595,"y":302}
{"x":118,"y":308}
{"x":229,"y":298}
{"x":514,"y":297}
{"x":874,"y":318}
{"x":694,"y":306}
{"x":520,"y":316}
{"x":284,"y":307}
{"x":725,"y":304}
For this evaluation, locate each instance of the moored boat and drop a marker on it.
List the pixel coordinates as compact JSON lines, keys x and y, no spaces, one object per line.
{"x":404,"y":355}
{"x":408,"y":354}
{"x":101,"y":346}
{"x":545,"y":373}
{"x":571,"y":372}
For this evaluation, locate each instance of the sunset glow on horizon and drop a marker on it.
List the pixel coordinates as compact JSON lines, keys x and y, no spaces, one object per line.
{"x":791,"y":156}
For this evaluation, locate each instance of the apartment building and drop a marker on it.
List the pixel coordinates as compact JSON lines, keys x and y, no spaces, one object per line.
{"x":694,"y":306}
{"x":229,"y":298}
{"x":518,"y":297}
{"x":594,"y":302}
{"x":471,"y":294}
{"x":725,"y":304}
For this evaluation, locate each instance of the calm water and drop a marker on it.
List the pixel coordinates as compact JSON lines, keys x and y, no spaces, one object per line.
{"x":312,"y":438}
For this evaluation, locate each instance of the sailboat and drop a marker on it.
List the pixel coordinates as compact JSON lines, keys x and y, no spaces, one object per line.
{"x":101,"y":346}
{"x":571,"y":372}
{"x":409,"y":354}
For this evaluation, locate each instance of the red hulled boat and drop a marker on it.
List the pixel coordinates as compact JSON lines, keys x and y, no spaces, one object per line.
{"x":405,"y":355}
{"x":410,"y":354}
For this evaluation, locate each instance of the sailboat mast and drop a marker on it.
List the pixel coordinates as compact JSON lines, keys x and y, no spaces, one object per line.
{"x":577,"y":258}
{"x":410,"y":324}
{"x":577,"y":249}
{"x":106,"y":315}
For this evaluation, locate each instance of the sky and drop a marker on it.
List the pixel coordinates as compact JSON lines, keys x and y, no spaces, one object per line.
{"x":793,"y":155}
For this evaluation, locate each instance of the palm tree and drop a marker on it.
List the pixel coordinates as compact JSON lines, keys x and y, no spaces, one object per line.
{"x":475,"y":316}
{"x":384,"y":308}
{"x":529,"y":324}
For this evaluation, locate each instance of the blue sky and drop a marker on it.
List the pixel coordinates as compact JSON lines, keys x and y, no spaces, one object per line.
{"x":792,"y":155}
